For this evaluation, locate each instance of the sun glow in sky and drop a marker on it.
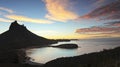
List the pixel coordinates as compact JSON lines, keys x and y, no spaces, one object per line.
{"x":63,"y":19}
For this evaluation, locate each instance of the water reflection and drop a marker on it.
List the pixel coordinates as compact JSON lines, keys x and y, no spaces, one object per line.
{"x":43,"y":55}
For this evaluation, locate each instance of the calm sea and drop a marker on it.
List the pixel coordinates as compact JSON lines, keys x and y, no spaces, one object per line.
{"x":43,"y":55}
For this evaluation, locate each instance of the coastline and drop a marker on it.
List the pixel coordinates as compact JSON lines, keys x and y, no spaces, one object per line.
{"x":103,"y":58}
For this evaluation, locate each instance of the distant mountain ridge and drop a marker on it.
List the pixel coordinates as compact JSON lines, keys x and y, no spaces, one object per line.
{"x":18,"y":36}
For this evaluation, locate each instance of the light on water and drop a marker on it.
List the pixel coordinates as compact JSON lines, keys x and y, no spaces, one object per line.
{"x":43,"y":55}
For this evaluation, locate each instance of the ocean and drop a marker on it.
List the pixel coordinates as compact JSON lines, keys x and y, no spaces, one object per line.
{"x":43,"y":55}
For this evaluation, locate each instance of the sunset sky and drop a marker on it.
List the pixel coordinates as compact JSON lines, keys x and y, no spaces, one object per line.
{"x":63,"y":19}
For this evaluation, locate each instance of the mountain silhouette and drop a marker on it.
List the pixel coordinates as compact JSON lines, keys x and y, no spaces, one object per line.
{"x":18,"y":36}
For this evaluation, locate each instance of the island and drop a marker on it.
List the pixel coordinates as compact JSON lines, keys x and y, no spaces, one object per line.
{"x":67,"y":46}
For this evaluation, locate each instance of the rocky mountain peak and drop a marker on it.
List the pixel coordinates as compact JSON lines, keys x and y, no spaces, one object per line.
{"x":16,"y":26}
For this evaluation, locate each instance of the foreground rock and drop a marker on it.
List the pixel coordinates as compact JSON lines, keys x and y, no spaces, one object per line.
{"x":67,"y":46}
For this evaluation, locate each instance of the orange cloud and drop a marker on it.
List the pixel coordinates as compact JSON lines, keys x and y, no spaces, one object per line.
{"x":27,"y":19}
{"x":58,"y":10}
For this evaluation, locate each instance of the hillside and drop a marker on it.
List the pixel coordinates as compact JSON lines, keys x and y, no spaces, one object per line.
{"x":18,"y":36}
{"x":14,"y":42}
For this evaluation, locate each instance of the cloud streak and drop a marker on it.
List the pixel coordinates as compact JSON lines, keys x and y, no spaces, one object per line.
{"x":100,"y":3}
{"x":98,"y":30}
{"x":10,"y":16}
{"x":27,"y":19}
{"x":58,"y":10}
{"x":5,"y":20}
{"x":115,"y":23}
{"x":109,"y":11}
{"x":6,"y":9}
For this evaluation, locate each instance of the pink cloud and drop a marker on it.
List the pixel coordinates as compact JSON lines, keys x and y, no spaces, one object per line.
{"x":98,"y":30}
{"x":115,"y":23}
{"x":109,"y":11}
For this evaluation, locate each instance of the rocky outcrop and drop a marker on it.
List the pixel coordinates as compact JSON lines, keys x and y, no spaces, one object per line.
{"x":18,"y":36}
{"x":67,"y":46}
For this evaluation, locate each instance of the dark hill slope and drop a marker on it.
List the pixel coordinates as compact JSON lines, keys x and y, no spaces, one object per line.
{"x":18,"y":36}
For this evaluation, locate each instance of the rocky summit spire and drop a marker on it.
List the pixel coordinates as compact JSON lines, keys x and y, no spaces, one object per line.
{"x":15,"y":26}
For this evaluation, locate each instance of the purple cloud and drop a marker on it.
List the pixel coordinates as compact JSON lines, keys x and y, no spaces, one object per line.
{"x":109,"y":11}
{"x":98,"y":30}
